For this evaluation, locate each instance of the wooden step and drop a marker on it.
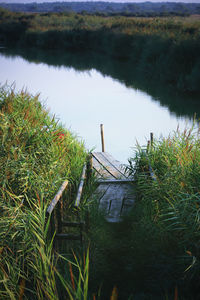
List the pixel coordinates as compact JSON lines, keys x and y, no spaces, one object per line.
{"x":64,"y":236}
{"x":116,"y":181}
{"x":72,"y":224}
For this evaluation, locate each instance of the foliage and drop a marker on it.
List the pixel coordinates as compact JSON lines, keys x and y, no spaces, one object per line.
{"x":37,"y":154}
{"x":108,"y":8}
{"x":166,"y":215}
{"x":160,"y":49}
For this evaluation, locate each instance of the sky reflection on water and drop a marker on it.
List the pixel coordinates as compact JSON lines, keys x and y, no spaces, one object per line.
{"x":84,"y":100}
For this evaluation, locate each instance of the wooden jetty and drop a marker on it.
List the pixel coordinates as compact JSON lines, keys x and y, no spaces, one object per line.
{"x":115,"y":192}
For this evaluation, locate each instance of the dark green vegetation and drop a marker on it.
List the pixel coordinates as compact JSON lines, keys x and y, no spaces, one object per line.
{"x":155,"y":252}
{"x":165,"y":50}
{"x":152,"y":254}
{"x":36,"y":156}
{"x":166,"y":216}
{"x":109,"y":8}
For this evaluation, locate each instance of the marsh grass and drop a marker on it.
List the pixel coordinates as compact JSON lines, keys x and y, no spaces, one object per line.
{"x":154,"y":252}
{"x":167,"y":214}
{"x":36,"y":155}
{"x":160,"y":49}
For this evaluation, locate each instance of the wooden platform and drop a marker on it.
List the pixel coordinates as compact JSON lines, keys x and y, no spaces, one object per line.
{"x":115,"y":192}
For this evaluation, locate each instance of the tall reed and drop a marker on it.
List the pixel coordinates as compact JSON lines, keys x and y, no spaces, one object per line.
{"x":167,"y":215}
{"x":36,"y":155}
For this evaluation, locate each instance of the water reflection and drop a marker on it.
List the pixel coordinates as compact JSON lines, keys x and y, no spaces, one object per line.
{"x":88,"y":89}
{"x":123,"y":71}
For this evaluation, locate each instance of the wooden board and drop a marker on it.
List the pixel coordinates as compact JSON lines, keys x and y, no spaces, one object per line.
{"x":115,"y":200}
{"x":115,"y":193}
{"x":122,"y":201}
{"x":115,"y":163}
{"x":107,"y":166}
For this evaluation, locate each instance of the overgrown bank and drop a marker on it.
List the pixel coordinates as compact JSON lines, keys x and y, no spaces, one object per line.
{"x":153,"y":254}
{"x":165,"y":230}
{"x":36,"y":156}
{"x":161,"y":49}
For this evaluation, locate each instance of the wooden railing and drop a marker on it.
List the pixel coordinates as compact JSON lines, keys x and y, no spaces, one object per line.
{"x":149,"y":147}
{"x":56,"y":208}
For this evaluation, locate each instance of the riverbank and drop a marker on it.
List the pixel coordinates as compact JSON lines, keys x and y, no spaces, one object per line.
{"x":161,"y":49}
{"x":152,"y":254}
{"x":37,"y":155}
{"x":166,"y":217}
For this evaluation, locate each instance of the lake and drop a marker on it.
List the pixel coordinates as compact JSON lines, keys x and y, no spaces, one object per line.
{"x":83,"y":93}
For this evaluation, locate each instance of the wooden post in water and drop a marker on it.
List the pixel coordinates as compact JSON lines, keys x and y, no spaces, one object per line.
{"x":148,"y":146}
{"x":151,"y":138}
{"x":102,"y":138}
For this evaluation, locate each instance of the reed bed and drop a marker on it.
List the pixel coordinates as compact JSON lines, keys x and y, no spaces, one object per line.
{"x":37,"y":154}
{"x":166,"y":217}
{"x":162,"y":50}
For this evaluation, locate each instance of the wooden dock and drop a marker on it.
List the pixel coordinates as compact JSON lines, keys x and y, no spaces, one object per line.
{"x":115,"y":192}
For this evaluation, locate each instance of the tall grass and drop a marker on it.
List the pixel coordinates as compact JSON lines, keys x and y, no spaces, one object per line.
{"x":160,"y":49}
{"x":36,"y":155}
{"x":167,"y":213}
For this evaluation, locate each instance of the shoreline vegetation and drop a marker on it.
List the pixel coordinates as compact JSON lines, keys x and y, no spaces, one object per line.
{"x":36,"y":155}
{"x":164,"y":50}
{"x":167,"y":213}
{"x":104,"y":8}
{"x":156,"y":247}
{"x":154,"y":253}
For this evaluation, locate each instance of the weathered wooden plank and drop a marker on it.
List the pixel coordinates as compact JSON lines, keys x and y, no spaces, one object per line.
{"x":113,"y":193}
{"x":99,"y":169}
{"x":80,"y":188}
{"x":115,"y":190}
{"x":102,"y":138}
{"x":105,"y":167}
{"x":100,"y":173}
{"x":100,"y":191}
{"x":129,"y":200}
{"x":114,"y":163}
{"x":117,"y":201}
{"x":108,"y":181}
{"x":117,"y":163}
{"x":114,"y":214}
{"x":72,"y":224}
{"x":57,"y":197}
{"x":68,"y":236}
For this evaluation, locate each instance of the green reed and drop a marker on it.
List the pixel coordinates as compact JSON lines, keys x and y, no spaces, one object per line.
{"x":167,"y":213}
{"x":36,"y":155}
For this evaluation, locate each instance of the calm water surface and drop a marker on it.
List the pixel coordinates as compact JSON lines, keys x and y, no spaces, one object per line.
{"x":82,"y":100}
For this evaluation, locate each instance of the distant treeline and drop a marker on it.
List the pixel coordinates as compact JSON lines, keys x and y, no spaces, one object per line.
{"x":109,"y":8}
{"x":165,"y":50}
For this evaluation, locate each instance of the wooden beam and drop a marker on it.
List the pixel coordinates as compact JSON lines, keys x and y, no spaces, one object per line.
{"x":72,"y":224}
{"x":108,"y":163}
{"x":102,"y":138}
{"x":116,"y":181}
{"x":64,"y":236}
{"x":103,"y":167}
{"x":57,"y":197}
{"x":89,"y":166}
{"x":80,"y":188}
{"x":151,"y":138}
